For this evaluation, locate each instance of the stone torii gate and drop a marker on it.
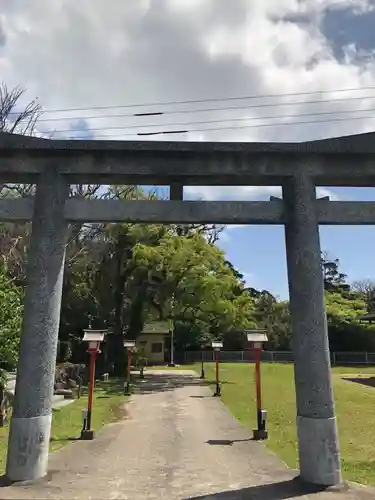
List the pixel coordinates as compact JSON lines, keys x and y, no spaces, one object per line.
{"x":55,"y":164}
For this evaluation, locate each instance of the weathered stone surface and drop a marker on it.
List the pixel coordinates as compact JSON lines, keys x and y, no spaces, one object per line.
{"x":30,"y":438}
{"x":35,"y":376}
{"x":68,"y":377}
{"x":72,"y":383}
{"x":4,"y":407}
{"x":330,"y":162}
{"x":186,"y":212}
{"x":313,"y":381}
{"x":356,"y":143}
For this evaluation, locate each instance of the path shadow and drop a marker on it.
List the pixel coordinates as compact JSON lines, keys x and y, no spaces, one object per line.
{"x":227,"y":442}
{"x":292,"y":488}
{"x":163,"y":382}
{"x":110,"y":387}
{"x":367,"y":381}
{"x":153,"y":383}
{"x":5,"y":481}
{"x":64,"y":439}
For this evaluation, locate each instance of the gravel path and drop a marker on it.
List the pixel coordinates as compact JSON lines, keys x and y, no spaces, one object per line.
{"x":178,"y":442}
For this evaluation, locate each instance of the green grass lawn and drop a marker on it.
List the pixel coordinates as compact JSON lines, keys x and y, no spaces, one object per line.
{"x":355,"y":406}
{"x":108,"y":406}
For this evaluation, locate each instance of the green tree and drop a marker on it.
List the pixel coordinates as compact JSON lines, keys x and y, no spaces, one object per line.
{"x":10,"y":320}
{"x":274,"y":317}
{"x":346,"y":333}
{"x":366,"y":290}
{"x":197,"y":289}
{"x":333,"y":278}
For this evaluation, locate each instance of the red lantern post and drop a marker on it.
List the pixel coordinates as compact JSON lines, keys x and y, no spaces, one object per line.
{"x":216,"y":347}
{"x":94,"y":338}
{"x":257,"y":337}
{"x":129,"y":346}
{"x":202,"y":377}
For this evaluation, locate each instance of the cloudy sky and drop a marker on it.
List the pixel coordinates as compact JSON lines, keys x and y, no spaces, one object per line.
{"x":90,"y":60}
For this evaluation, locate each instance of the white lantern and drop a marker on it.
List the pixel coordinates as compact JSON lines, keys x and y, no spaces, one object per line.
{"x":129,"y":344}
{"x":94,"y":339}
{"x":257,"y":337}
{"x":217,"y":346}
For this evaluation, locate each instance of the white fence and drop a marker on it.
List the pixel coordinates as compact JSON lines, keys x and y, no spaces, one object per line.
{"x":337,"y":358}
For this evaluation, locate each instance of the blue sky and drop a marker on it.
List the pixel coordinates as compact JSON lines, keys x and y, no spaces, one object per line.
{"x":86,"y":61}
{"x":259,"y":251}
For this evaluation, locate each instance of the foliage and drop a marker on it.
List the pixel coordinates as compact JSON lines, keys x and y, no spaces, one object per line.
{"x":197,"y":289}
{"x":274,"y":316}
{"x":12,"y":119}
{"x":10,"y":319}
{"x":366,"y":289}
{"x":333,"y":278}
{"x":345,"y":331}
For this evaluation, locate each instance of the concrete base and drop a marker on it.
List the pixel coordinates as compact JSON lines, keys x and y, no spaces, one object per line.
{"x":217,"y":392}
{"x":28,"y":448}
{"x":259,"y":435}
{"x":87,"y":435}
{"x":319,"y":454}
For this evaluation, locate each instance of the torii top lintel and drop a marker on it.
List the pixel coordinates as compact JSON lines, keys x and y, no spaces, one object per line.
{"x":340,"y":161}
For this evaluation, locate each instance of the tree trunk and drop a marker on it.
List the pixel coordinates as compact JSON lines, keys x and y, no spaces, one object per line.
{"x":136,"y":316}
{"x":117,"y":351}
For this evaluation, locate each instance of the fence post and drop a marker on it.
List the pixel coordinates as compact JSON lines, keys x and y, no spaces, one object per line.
{"x":333,"y":359}
{"x":242,"y":356}
{"x":366,"y":358}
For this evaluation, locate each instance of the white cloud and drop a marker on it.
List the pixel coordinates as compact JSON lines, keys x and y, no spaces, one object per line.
{"x":94,"y":53}
{"x":244,"y":193}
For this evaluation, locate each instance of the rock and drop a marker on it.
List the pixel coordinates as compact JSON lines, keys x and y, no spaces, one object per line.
{"x":4,"y":407}
{"x":59,"y":386}
{"x":72,"y":383}
{"x":68,"y":376}
{"x":67,"y":393}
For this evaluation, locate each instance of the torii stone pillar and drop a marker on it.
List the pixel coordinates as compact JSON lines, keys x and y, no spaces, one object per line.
{"x":316,"y":422}
{"x":32,"y":412}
